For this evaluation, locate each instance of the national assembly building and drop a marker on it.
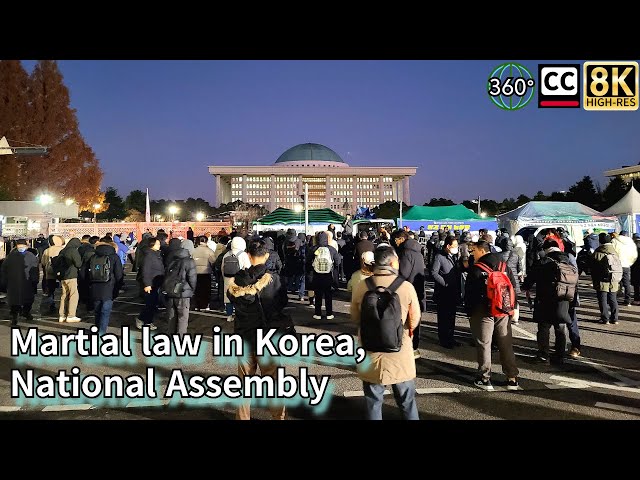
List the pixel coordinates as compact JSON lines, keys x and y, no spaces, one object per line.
{"x":332,"y":183}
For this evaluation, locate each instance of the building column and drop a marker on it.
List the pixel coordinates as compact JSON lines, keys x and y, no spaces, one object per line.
{"x":381,"y":187}
{"x":406,"y":196}
{"x":327,"y":191}
{"x":244,"y":189}
{"x":354,"y":195}
{"x":272,"y":194}
{"x":218,"y":191}
{"x":300,"y":185}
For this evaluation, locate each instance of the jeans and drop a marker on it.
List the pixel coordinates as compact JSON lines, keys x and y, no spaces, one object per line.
{"x":296,"y":281}
{"x":103,"y":313}
{"x":606,"y":301}
{"x":404,"y":394}
{"x":626,"y":284}
{"x":150,"y":306}
{"x":229,"y":308}
{"x":574,"y":332}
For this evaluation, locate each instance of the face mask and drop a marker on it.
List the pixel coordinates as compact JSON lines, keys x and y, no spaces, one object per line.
{"x":453,"y":251}
{"x":22,"y":249}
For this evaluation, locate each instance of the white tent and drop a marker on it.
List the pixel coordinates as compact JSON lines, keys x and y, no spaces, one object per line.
{"x":627,"y":210}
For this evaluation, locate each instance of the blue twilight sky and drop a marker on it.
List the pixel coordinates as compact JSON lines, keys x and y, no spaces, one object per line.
{"x":159,"y":124}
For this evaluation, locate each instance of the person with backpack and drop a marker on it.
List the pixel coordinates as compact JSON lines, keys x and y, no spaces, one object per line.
{"x":105,"y":275}
{"x":387,"y":311}
{"x":322,"y":259}
{"x":557,"y":283}
{"x":489,"y":300}
{"x":259,"y":297}
{"x":178,"y":286}
{"x":55,"y":247}
{"x":606,"y":273}
{"x":274,"y":264}
{"x":19,"y":278}
{"x":234,"y":260}
{"x":66,"y":266}
{"x":446,"y":275}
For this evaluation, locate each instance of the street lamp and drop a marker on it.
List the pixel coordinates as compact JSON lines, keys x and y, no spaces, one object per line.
{"x":69,"y":201}
{"x":298,"y":208}
{"x":45,"y":199}
{"x":199,"y":216}
{"x":173,"y":210}
{"x":96,"y":207}
{"x":483,"y":214}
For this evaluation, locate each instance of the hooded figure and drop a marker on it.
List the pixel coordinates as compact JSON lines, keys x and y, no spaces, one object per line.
{"x":174,"y":245}
{"x":238,"y":247}
{"x":188,"y":246}
{"x":513,"y":261}
{"x":274,"y":264}
{"x":122,"y":249}
{"x":521,"y":249}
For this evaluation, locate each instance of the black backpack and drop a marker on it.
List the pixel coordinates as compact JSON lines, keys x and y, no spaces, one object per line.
{"x":381,"y":327}
{"x":59,"y":266}
{"x":174,"y":279}
{"x":99,"y":269}
{"x":230,"y":266}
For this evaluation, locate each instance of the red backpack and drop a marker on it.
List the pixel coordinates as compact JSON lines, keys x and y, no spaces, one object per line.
{"x":500,"y":293}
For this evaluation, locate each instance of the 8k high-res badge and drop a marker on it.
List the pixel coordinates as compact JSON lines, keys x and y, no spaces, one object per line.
{"x":610,"y":86}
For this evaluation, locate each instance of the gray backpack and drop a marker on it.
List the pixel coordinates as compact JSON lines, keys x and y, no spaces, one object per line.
{"x":613,"y":267}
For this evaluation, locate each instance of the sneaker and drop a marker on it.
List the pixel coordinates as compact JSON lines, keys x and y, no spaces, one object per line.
{"x":301,"y":299}
{"x":73,"y":319}
{"x":330,"y":317}
{"x":604,"y":322}
{"x":627,"y":303}
{"x":317,"y":317}
{"x":515,"y":322}
{"x":152,"y":326}
{"x":230,"y":318}
{"x":541,"y":358}
{"x":483,"y":384}
{"x":139,"y":324}
{"x":613,"y":322}
{"x":312,"y":305}
{"x":62,"y":319}
{"x":574,"y":353}
{"x":416,"y":353}
{"x":513,"y":384}
{"x":206,"y":309}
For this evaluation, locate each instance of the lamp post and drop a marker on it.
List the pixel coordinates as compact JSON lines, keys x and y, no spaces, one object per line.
{"x":298,"y":209}
{"x":96,"y":207}
{"x":306,"y":208}
{"x":199,"y":216}
{"x":173,"y":210}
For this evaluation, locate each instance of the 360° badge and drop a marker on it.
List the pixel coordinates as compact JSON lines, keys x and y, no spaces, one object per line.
{"x":511,"y":86}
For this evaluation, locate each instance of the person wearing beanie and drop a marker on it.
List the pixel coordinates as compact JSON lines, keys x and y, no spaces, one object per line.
{"x":366,"y":270}
{"x":606,"y":261}
{"x":237,"y":250}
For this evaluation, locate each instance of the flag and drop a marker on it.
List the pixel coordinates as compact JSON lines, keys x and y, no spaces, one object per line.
{"x":147,"y":215}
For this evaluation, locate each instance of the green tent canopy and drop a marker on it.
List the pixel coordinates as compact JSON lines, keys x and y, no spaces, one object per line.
{"x":453,"y":212}
{"x":286,"y":216}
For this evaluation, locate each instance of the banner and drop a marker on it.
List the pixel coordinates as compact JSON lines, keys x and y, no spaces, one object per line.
{"x":434,"y":225}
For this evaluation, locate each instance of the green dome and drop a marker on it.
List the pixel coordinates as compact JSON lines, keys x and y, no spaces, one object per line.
{"x":309,"y":151}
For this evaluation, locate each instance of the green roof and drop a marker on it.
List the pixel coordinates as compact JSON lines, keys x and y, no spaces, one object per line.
{"x":453,"y":212}
{"x":287,"y":216}
{"x":309,"y":151}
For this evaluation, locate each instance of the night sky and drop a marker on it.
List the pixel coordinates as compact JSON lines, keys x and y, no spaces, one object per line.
{"x":160,"y":124}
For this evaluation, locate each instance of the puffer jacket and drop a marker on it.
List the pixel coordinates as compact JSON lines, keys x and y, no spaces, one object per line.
{"x":204,"y":258}
{"x":54,"y":250}
{"x":626,"y":249}
{"x":74,"y":261}
{"x":190,"y":275}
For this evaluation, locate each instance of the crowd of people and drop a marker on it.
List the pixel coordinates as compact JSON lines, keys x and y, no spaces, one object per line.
{"x":385,"y":271}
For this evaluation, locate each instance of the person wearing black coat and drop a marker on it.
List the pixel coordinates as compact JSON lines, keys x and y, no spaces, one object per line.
{"x":19,"y":276}
{"x":259,"y":298}
{"x":178,"y":302}
{"x":548,"y":310}
{"x":40,"y":244}
{"x":322,"y":283}
{"x":152,"y":276}
{"x":511,"y":258}
{"x":446,"y":275}
{"x":274,"y":264}
{"x":412,"y":269}
{"x":363,"y":244}
{"x":175,"y":244}
{"x":104,"y":293}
